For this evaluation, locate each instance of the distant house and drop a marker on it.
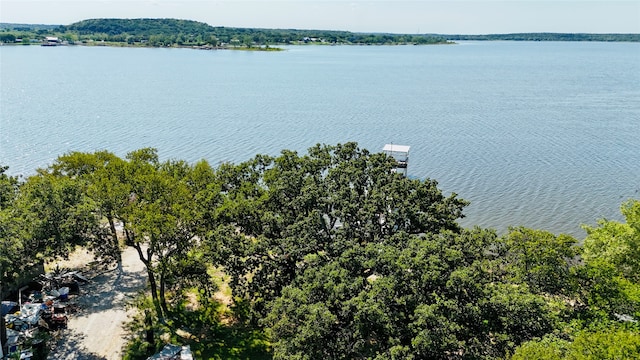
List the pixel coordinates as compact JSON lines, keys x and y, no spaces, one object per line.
{"x":307,"y":39}
{"x":51,"y":41}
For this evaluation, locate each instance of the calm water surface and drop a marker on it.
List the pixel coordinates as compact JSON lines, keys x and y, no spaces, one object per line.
{"x":541,"y":134}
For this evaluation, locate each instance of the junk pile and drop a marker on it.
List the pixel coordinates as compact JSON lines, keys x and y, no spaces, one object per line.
{"x":42,"y":305}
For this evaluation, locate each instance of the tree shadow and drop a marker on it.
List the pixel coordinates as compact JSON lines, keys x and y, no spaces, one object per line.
{"x":209,"y":337}
{"x":237,"y":342}
{"x":67,"y":344}
{"x":109,"y":290}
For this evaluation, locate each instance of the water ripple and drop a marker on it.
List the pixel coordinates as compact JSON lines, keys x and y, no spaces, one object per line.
{"x":530,"y":134}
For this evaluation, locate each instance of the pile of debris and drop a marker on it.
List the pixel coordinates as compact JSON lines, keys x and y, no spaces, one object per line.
{"x":41,"y":306}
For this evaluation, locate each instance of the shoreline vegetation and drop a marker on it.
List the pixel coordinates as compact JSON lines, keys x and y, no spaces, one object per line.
{"x":327,"y":254}
{"x":192,"y":34}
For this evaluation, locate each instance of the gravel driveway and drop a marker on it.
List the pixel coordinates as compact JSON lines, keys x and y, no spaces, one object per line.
{"x":95,"y":332}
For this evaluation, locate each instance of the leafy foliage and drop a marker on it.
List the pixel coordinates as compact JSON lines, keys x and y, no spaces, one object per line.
{"x":11,"y":232}
{"x":291,"y":209}
{"x":540,"y":259}
{"x":613,"y":342}
{"x":155,"y":204}
{"x":195,"y":322}
{"x":139,"y":27}
{"x":426,"y":296}
{"x":615,"y":243}
{"x":8,"y":188}
{"x":329,"y":255}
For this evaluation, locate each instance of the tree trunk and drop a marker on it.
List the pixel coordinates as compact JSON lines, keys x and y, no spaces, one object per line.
{"x":151,"y":277}
{"x":114,"y":236}
{"x":149,"y":327}
{"x":163,"y":299}
{"x":154,"y":293}
{"x":129,"y":236}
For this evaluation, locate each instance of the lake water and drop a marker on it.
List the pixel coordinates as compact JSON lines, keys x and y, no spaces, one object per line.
{"x":541,"y":134}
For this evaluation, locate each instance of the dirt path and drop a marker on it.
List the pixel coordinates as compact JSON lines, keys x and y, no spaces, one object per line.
{"x":95,"y":332}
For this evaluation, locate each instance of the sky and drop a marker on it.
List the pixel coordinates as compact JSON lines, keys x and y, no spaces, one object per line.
{"x":406,"y":17}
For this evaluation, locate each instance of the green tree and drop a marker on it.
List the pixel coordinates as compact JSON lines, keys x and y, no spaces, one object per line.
{"x":56,"y":215}
{"x":608,"y":284}
{"x":8,"y":188}
{"x":165,"y":226}
{"x":247,"y":40}
{"x":104,"y":178}
{"x":616,"y":243}
{"x":540,"y":259}
{"x":161,"y":209}
{"x":610,"y":343}
{"x":11,"y":245}
{"x":422,"y":297}
{"x":334,"y":198}
{"x":7,"y":38}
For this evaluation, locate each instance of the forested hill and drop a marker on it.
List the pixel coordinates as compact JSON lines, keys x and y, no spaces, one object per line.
{"x":139,"y":27}
{"x":175,"y":32}
{"x":27,"y":27}
{"x":186,"y":31}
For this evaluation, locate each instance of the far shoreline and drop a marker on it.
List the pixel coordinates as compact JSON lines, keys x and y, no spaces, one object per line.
{"x":265,"y":48}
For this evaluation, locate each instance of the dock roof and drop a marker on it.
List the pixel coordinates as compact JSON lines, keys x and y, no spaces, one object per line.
{"x":396,"y":148}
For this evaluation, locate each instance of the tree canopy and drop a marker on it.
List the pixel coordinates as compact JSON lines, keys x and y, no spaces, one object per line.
{"x":328,"y":254}
{"x":292,"y":208}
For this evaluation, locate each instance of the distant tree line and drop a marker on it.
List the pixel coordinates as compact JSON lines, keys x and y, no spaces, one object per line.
{"x":169,"y":32}
{"x":174,"y":32}
{"x":547,"y":37}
